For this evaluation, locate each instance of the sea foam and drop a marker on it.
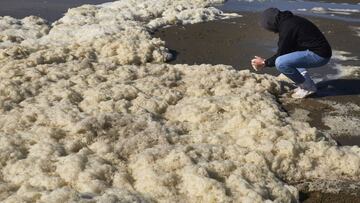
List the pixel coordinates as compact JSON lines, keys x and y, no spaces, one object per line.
{"x":89,"y":112}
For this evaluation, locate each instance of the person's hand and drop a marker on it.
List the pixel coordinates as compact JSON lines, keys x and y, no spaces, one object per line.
{"x":258,"y":63}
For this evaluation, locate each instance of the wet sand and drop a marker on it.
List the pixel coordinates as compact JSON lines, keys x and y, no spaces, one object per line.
{"x":236,"y":41}
{"x":317,"y":197}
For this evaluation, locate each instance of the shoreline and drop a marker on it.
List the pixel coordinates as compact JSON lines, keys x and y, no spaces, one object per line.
{"x":233,"y":40}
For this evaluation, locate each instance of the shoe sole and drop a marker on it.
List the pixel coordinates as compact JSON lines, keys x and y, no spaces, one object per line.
{"x":307,"y":95}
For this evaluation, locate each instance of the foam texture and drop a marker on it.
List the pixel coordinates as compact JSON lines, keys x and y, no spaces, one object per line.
{"x":85,"y":117}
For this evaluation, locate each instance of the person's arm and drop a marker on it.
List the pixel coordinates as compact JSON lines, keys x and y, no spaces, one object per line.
{"x":270,"y":62}
{"x":287,"y":39}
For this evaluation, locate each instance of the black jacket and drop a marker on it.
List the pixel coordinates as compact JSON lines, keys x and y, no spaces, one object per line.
{"x":296,"y":34}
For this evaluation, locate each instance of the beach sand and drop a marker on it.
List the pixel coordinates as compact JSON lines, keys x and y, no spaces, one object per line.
{"x":235,"y":41}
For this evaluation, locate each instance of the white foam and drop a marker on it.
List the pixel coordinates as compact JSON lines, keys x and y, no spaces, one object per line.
{"x":342,"y":120}
{"x":357,"y":30}
{"x":318,"y":9}
{"x":343,"y":71}
{"x":14,"y":31}
{"x":334,"y":10}
{"x":344,"y":10}
{"x":119,"y":31}
{"x":85,"y":117}
{"x":339,"y":55}
{"x":301,"y":115}
{"x":342,"y":125}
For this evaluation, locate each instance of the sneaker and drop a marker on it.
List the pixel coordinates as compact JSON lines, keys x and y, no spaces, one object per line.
{"x":301,"y":93}
{"x":309,"y":84}
{"x":305,"y":89}
{"x":296,"y":89}
{"x":304,"y":73}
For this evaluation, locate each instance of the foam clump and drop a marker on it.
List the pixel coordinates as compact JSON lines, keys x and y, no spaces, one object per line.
{"x":160,"y":133}
{"x":14,"y":31}
{"x":110,"y":133}
{"x":81,"y":122}
{"x":357,"y":30}
{"x":119,"y":32}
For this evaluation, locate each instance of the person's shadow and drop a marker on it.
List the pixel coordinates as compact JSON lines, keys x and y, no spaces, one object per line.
{"x":338,"y":87}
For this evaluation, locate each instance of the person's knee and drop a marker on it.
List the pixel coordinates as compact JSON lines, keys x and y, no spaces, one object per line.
{"x":280,"y":63}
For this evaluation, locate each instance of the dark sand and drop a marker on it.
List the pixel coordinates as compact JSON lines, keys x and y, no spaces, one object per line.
{"x":317,"y":197}
{"x":236,"y":41}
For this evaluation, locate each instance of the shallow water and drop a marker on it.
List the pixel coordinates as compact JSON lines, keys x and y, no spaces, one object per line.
{"x":51,"y":10}
{"x":341,"y":11}
{"x":54,"y":9}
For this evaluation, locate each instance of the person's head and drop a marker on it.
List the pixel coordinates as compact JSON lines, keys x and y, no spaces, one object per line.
{"x":269,"y":19}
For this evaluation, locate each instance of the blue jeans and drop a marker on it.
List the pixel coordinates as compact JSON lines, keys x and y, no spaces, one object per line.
{"x":289,"y":64}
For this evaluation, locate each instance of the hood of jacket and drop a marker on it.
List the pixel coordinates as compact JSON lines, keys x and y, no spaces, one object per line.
{"x":271,"y":18}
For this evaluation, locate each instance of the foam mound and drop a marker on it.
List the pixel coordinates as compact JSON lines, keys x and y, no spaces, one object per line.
{"x":84,"y":117}
{"x":14,"y":31}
